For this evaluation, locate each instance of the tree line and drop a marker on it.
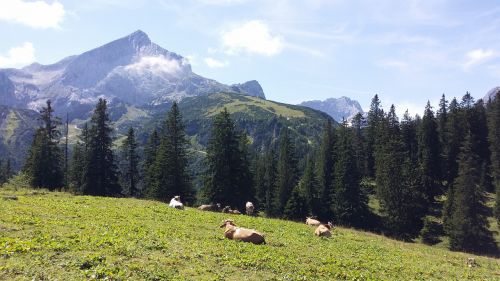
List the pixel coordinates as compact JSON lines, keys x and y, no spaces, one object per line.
{"x":426,"y":173}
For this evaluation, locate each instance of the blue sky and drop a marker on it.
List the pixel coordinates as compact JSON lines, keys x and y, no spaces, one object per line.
{"x":408,"y":52}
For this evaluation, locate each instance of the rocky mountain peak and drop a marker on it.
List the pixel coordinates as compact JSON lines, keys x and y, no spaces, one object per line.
{"x":138,"y":39}
{"x":338,"y":108}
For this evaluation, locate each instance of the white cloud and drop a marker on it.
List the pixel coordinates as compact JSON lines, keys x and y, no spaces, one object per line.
{"x":478,"y":56}
{"x":37,"y":14}
{"x":253,"y":37}
{"x":157,"y":65}
{"x":192,"y":60}
{"x":18,"y":56}
{"x":213,"y":63}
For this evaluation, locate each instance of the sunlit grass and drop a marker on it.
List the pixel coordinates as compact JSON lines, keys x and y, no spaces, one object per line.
{"x":60,"y":236}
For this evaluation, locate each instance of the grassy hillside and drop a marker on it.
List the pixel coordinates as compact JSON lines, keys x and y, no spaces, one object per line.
{"x":17,"y":127}
{"x":48,"y":236}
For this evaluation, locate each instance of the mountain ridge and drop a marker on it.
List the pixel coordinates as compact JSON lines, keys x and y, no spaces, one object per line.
{"x":131,"y":69}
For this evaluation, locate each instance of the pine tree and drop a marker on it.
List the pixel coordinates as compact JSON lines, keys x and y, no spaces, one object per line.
{"x":265,"y":181}
{"x":349,"y":203}
{"x":409,"y":136}
{"x":78,"y":165}
{"x":478,"y":125}
{"x":359,"y":144}
{"x":429,"y":155}
{"x":130,"y":164}
{"x":170,"y":176}
{"x":79,"y":161}
{"x":150,"y":152}
{"x":286,"y":178}
{"x":223,"y":175}
{"x":325,"y":163}
{"x":296,"y":207}
{"x":455,"y":132}
{"x":43,"y":164}
{"x":375,"y":116}
{"x":309,"y":187}
{"x":246,"y":186}
{"x":467,"y":226}
{"x":442,"y":120}
{"x":494,"y":141}
{"x":100,"y":176}
{"x":398,"y":178}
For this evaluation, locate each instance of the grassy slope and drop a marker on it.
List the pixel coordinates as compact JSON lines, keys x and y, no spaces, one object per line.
{"x":247,"y":106}
{"x":65,"y":237}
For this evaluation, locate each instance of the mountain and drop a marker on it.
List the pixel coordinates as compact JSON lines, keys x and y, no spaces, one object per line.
{"x":141,"y":80}
{"x":131,"y":69}
{"x":251,"y":88}
{"x":491,"y":94}
{"x":338,"y":108}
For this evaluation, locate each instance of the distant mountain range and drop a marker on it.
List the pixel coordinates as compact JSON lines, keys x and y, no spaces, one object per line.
{"x":132,"y":69}
{"x":338,"y":108}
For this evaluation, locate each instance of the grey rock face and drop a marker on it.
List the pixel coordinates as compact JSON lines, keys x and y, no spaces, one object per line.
{"x":131,"y":69}
{"x":251,"y":88}
{"x":338,"y":108}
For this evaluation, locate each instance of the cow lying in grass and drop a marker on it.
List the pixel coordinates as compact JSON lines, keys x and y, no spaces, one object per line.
{"x":323,"y":230}
{"x":212,"y":207}
{"x":241,"y":234}
{"x":176,"y":203}
{"x":312,"y":222}
{"x":228,"y":210}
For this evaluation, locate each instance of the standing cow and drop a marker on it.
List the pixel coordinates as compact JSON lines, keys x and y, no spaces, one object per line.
{"x":249,"y":208}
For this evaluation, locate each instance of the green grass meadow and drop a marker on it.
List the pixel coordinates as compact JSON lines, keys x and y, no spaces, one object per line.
{"x":59,"y":236}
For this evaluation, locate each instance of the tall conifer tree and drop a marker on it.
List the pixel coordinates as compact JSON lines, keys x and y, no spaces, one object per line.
{"x":442,"y":120}
{"x":287,"y":175}
{"x":223,"y":180}
{"x":455,"y":134}
{"x":467,"y":226}
{"x":265,"y":182}
{"x":43,"y":164}
{"x":398,"y":180}
{"x":78,"y":166}
{"x":170,"y":175}
{"x":325,"y":164}
{"x":130,"y":165}
{"x":494,"y":144}
{"x":375,"y":116}
{"x":150,"y":152}
{"x":349,"y":203}
{"x":359,"y":142}
{"x":429,"y":155}
{"x":100,"y":176}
